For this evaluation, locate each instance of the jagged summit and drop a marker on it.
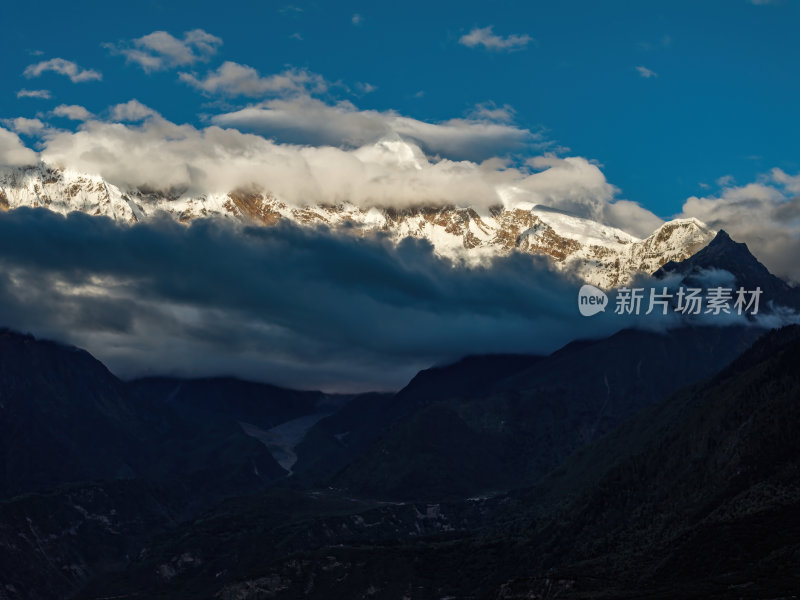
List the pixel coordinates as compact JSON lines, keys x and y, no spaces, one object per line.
{"x":721,"y":237}
{"x":595,"y":252}
{"x":724,"y":253}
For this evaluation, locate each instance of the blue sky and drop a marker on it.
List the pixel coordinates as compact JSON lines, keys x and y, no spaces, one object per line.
{"x":667,"y":96}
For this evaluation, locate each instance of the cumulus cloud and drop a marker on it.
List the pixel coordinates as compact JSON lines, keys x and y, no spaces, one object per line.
{"x":629,"y":216}
{"x":577,"y":186}
{"x":306,"y":120}
{"x":234,"y":79}
{"x":571,"y":184}
{"x":13,"y":152}
{"x":43,"y":94}
{"x":646,"y":73}
{"x":161,"y":155}
{"x":765,"y":214}
{"x":74,"y":112}
{"x":132,"y":111}
{"x":138,"y":148}
{"x":24,"y":125}
{"x":485,"y":37}
{"x":161,"y":50}
{"x":61,"y":66}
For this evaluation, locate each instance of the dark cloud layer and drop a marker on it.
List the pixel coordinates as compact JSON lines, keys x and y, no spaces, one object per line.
{"x":296,"y":306}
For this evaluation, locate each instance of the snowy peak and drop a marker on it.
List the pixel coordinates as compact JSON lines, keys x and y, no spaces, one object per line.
{"x":683,"y":231}
{"x":597,"y":253}
{"x":583,"y":230}
{"x":675,"y":240}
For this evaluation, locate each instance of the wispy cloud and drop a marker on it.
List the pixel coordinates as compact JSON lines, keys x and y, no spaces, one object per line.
{"x":485,"y":36}
{"x":664,"y":42}
{"x":306,"y":120}
{"x":62,"y":67}
{"x":646,"y":73}
{"x":725,"y":180}
{"x":357,"y":19}
{"x":489,"y":111}
{"x":43,"y":94}
{"x":290,"y":9}
{"x":790,"y":182}
{"x":365,"y":88}
{"x":72,"y":111}
{"x":234,"y":79}
{"x":161,"y":50}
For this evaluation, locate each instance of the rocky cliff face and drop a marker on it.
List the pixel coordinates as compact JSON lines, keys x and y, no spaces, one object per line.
{"x":596,"y":253}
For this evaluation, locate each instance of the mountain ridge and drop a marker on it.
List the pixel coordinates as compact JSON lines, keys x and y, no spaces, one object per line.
{"x":597,"y":253}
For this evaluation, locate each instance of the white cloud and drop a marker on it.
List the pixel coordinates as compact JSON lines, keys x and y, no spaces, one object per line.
{"x":43,"y":94}
{"x":366,"y":88}
{"x":765,"y":214}
{"x":489,"y":111}
{"x":234,"y":79}
{"x":161,"y":155}
{"x":62,"y":67}
{"x":25,"y":125}
{"x":395,"y":171}
{"x":357,"y":19}
{"x":646,"y":73}
{"x":790,"y":182}
{"x":485,"y":36}
{"x":132,"y":111}
{"x":74,"y":112}
{"x":725,"y":180}
{"x":161,"y":50}
{"x":572,"y":184}
{"x":306,"y":120}
{"x":629,"y":216}
{"x":13,"y":152}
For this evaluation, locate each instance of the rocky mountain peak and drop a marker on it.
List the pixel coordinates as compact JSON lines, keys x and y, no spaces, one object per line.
{"x":724,"y":254}
{"x":597,"y":253}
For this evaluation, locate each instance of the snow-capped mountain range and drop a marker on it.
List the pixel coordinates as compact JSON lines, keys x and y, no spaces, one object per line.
{"x":596,"y":253}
